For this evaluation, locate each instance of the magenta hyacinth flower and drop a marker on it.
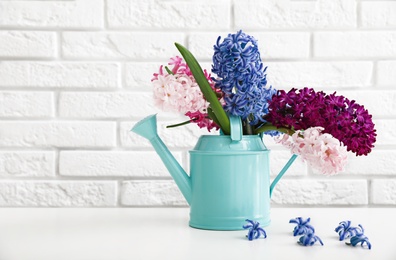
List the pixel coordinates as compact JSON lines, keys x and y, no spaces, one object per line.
{"x":344,"y":119}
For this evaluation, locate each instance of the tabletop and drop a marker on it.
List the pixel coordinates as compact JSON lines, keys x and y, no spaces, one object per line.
{"x":163,"y":233}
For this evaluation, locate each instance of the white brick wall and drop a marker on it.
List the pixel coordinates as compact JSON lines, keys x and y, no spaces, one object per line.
{"x":75,"y":77}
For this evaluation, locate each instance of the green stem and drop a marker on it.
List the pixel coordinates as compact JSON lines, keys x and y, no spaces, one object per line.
{"x":180,"y":124}
{"x":247,"y":128}
{"x":168,"y":70}
{"x":206,"y":89}
{"x":270,"y":127}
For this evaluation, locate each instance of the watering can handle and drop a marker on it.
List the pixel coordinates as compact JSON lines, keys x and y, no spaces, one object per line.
{"x":236,"y":128}
{"x":282,"y":172}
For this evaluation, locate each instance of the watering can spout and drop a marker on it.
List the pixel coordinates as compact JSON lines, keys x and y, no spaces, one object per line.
{"x":147,"y":128}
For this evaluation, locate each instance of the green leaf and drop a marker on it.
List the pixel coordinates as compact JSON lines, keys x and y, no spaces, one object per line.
{"x":207,"y":91}
{"x":213,"y":116}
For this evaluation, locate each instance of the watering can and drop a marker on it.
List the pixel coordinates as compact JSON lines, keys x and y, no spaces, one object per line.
{"x":229,"y":176}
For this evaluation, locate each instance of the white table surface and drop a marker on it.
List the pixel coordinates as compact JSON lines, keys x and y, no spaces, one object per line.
{"x":163,"y":233}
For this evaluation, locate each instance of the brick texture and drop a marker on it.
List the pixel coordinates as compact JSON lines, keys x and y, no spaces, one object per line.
{"x":119,"y":45}
{"x":105,"y":104}
{"x":57,"y":193}
{"x":292,"y":15}
{"x":370,"y":44}
{"x":57,"y":134}
{"x":383,"y":192}
{"x":50,"y":14}
{"x":23,"y":104}
{"x":156,"y":193}
{"x":59,"y":74}
{"x":27,"y":44}
{"x":378,"y":14}
{"x":113,"y":163}
{"x":321,"y":192}
{"x":27,"y":164}
{"x":168,"y":15}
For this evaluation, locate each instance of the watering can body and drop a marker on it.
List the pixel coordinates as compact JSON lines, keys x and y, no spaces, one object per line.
{"x":229,"y":177}
{"x":230,"y":182}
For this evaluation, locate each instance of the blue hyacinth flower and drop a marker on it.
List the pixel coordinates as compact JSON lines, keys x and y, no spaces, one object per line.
{"x":362,"y":239}
{"x":255,"y":231}
{"x":345,"y":230}
{"x":241,"y":76}
{"x":309,"y":240}
{"x":303,"y":226}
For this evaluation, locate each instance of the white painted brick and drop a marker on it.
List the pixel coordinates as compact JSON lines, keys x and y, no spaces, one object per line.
{"x":321,"y":192}
{"x":58,"y":193}
{"x":373,"y":101}
{"x":378,"y":162}
{"x":386,"y":73}
{"x":386,"y":134}
{"x":138,"y":75}
{"x":27,"y":44}
{"x":319,"y":75}
{"x":151,"y":193}
{"x":355,"y":44}
{"x":105,"y":104}
{"x":178,"y":137}
{"x":272,"y":45}
{"x":44,"y":14}
{"x":169,"y":14}
{"x":59,"y":74}
{"x":378,"y":14}
{"x":113,"y":163}
{"x":270,"y":14}
{"x":27,"y":164}
{"x":279,"y":158}
{"x":383,"y":191}
{"x":119,"y":45}
{"x":26,"y":104}
{"x":57,"y":134}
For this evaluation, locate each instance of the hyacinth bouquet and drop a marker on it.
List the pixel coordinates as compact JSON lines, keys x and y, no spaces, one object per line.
{"x":320,"y":128}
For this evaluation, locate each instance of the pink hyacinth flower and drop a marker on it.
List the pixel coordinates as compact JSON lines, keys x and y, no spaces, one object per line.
{"x":320,"y":150}
{"x":179,"y":92}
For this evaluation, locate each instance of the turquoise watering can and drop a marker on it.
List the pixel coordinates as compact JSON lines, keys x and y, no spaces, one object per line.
{"x":229,"y":178}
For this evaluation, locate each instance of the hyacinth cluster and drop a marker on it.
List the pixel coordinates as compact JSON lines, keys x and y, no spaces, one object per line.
{"x":320,"y":150}
{"x":344,"y":119}
{"x":318,"y":127}
{"x":241,"y":77}
{"x":176,"y":90}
